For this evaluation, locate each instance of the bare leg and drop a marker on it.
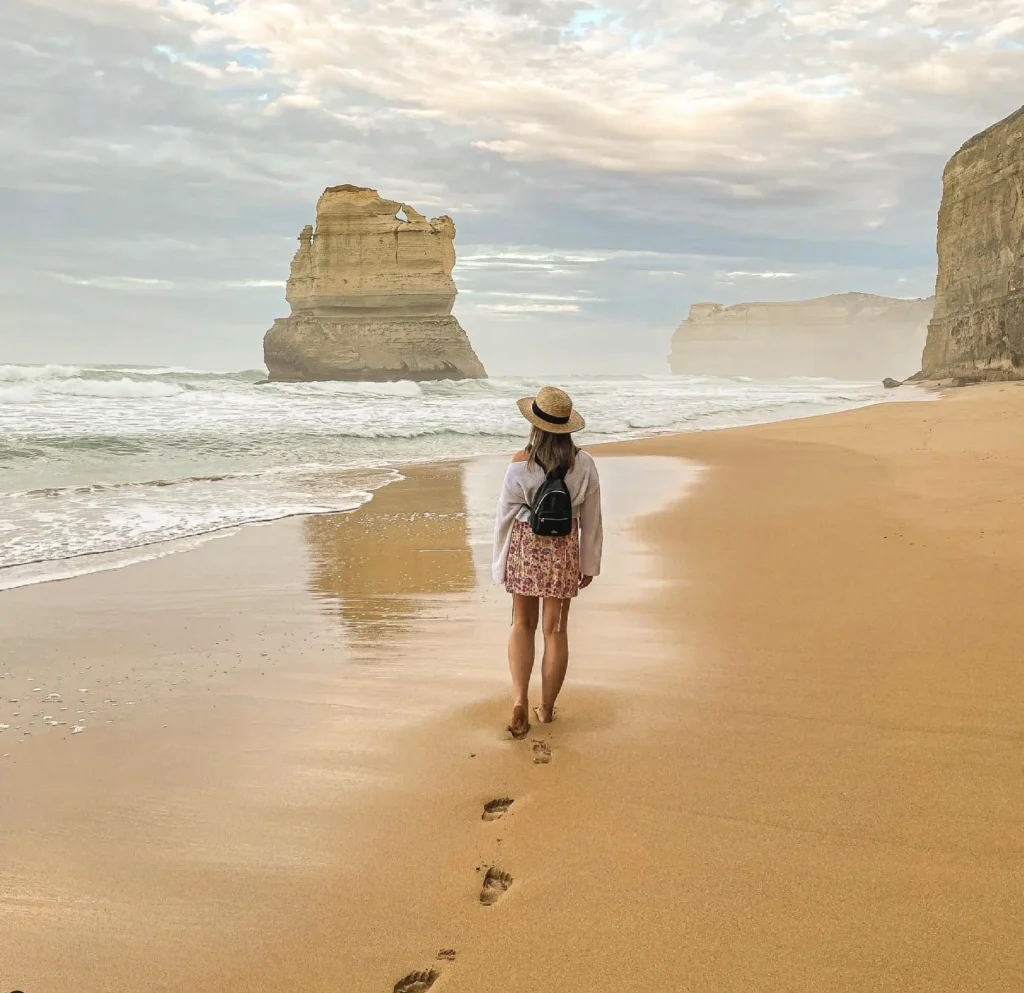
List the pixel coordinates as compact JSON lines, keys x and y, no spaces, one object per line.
{"x":556,"y":655}
{"x":521,"y":648}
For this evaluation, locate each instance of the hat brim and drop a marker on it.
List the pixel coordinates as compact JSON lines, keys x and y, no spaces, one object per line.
{"x":576,"y":423}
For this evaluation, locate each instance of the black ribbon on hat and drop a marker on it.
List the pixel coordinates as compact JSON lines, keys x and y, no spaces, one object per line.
{"x":550,"y":418}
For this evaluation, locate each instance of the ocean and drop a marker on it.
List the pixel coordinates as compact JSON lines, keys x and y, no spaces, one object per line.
{"x":102,"y":466}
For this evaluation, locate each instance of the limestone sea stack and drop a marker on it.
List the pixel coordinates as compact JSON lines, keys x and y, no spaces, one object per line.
{"x":843,"y":336}
{"x":978,"y":328}
{"x":371,"y":295}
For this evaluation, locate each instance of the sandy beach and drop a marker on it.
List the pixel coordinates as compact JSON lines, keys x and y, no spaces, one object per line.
{"x":788,"y":756}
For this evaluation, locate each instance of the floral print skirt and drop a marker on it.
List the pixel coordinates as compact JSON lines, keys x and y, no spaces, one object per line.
{"x":542,"y":566}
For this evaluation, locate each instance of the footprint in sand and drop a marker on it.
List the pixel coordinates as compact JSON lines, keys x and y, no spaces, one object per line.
{"x":446,"y":955}
{"x":494,"y":809}
{"x":417,"y":982}
{"x":496,"y":883}
{"x":541,"y":753}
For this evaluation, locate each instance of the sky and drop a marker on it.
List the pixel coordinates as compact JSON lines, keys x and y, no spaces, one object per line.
{"x":606,"y":165}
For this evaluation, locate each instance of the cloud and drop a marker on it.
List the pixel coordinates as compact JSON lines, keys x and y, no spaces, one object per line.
{"x":618,"y":159}
{"x":726,"y":90}
{"x":529,"y":308}
{"x":526,"y":260}
{"x":571,"y":298}
{"x":256,"y":283}
{"x":762,"y":275}
{"x":133,"y":284}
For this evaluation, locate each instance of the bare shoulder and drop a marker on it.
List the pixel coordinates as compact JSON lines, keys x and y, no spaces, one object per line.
{"x":521,"y":456}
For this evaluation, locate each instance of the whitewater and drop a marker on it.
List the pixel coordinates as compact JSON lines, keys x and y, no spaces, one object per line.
{"x":101,"y":466}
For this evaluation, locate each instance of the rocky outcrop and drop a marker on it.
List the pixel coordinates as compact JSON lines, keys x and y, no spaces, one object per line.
{"x":371,"y":295}
{"x":978,"y":328}
{"x":844,"y":336}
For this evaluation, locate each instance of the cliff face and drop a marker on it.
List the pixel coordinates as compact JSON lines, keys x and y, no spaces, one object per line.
{"x":371,"y":296}
{"x":844,"y":336}
{"x":978,"y":327}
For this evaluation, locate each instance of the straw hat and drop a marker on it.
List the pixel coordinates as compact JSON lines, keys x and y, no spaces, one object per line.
{"x":551,"y":410}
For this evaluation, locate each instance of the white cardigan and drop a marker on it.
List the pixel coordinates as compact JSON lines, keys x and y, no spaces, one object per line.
{"x":522,"y":480}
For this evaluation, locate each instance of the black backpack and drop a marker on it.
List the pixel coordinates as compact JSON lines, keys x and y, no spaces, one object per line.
{"x":551,"y":510}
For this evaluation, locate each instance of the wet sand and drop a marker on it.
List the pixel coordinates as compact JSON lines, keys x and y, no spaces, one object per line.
{"x":788,"y":756}
{"x":260,"y":735}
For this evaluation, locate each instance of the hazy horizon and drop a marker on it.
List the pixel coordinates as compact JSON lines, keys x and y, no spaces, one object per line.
{"x":606,"y":166}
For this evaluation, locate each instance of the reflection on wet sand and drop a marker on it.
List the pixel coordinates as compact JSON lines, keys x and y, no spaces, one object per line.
{"x":391,"y":560}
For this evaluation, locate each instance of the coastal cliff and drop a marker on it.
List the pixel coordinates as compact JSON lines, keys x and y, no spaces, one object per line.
{"x":844,"y":336}
{"x":978,"y":328}
{"x":371,"y":295}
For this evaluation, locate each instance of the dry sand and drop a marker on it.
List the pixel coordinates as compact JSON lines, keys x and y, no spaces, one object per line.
{"x":788,"y":756}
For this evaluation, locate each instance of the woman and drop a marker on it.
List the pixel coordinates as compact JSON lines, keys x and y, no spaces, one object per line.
{"x":534,"y":568}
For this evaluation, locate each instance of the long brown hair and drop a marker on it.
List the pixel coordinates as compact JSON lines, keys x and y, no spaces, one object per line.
{"x":551,"y":451}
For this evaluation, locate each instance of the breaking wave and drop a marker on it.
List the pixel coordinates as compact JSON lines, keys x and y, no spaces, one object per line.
{"x":30,"y":373}
{"x":113,"y":389}
{"x":99,"y":461}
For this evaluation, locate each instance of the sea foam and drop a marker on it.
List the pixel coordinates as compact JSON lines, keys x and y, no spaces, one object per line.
{"x":29,"y":373}
{"x":104,"y":465}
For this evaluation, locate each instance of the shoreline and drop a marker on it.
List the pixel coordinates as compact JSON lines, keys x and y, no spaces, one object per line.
{"x":44,"y":570}
{"x":296,"y":660}
{"x":787,"y":756}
